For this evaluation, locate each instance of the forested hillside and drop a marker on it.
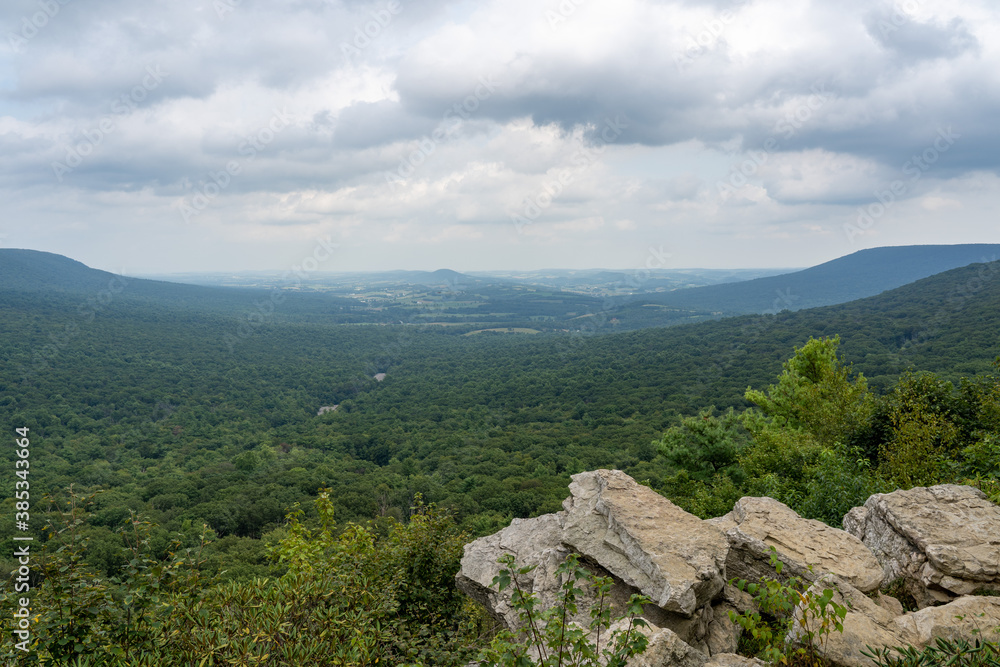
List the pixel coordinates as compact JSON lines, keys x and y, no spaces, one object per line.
{"x":858,"y":275}
{"x":136,"y":399}
{"x":178,"y":414}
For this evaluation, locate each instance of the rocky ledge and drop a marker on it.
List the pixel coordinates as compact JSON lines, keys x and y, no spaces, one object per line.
{"x":940,"y":544}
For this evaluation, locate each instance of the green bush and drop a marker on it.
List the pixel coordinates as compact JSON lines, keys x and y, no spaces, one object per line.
{"x":349,"y":597}
{"x":944,"y":653}
{"x":777,"y":601}
{"x":551,"y":639}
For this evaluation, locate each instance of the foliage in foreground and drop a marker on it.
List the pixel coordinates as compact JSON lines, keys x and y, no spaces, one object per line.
{"x":821,"y":442}
{"x":350,"y":597}
{"x":551,"y":638}
{"x":943,"y":653}
{"x":777,"y":600}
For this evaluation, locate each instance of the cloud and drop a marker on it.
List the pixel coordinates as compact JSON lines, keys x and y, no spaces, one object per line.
{"x":913,"y":41}
{"x":479,"y":107}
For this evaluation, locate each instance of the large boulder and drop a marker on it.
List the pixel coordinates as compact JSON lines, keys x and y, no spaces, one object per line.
{"x":672,"y":556}
{"x":869,"y":624}
{"x":866,"y":624}
{"x":942,"y":541}
{"x":532,"y":542}
{"x":626,"y":531}
{"x":807,"y":548}
{"x":734,"y":660}
{"x":968,"y":617}
{"x":666,"y":649}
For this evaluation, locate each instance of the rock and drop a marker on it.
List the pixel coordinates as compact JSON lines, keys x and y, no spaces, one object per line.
{"x":868,"y":624}
{"x":889,"y":603}
{"x":666,"y":649}
{"x":855,"y":520}
{"x":723,"y":636}
{"x":740,"y":600}
{"x":960,"y":619}
{"x":943,"y":541}
{"x":756,"y":524}
{"x":672,"y":556}
{"x":536,"y":542}
{"x":733,"y":660}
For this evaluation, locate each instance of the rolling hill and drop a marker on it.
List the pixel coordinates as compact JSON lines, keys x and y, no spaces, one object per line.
{"x":29,"y":275}
{"x":856,"y":276}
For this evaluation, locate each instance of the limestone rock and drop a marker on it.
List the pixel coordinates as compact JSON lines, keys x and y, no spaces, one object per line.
{"x":944,"y":541}
{"x":756,"y":524}
{"x":536,"y":542}
{"x":723,"y":636}
{"x":666,"y":649}
{"x":672,"y":556}
{"x":868,"y":624}
{"x":733,"y":660}
{"x":956,"y":620}
{"x":740,"y":600}
{"x":889,"y":603}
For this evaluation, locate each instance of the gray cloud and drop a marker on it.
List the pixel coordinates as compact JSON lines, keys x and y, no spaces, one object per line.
{"x":913,"y":41}
{"x":837,"y":99}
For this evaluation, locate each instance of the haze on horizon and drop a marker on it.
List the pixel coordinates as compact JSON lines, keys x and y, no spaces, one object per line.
{"x":238,"y":135}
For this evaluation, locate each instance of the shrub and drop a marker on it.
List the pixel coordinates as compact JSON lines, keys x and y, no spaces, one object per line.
{"x":778,"y":600}
{"x":551,"y":639}
{"x":944,"y":653}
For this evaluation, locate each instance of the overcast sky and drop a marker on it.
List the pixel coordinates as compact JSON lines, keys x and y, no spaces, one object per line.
{"x":201,"y":135}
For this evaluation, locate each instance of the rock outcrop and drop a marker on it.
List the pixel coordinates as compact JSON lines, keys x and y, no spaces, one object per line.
{"x":808,"y":548}
{"x":666,"y":648}
{"x":869,"y":624}
{"x":733,"y":660}
{"x":624,"y":530}
{"x":670,"y":555}
{"x":535,"y":542}
{"x":942,"y":541}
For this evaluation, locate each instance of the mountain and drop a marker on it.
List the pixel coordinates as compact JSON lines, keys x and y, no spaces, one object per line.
{"x":35,"y":271}
{"x":192,"y":418}
{"x":856,"y":276}
{"x":637,"y":280}
{"x":28,"y":275}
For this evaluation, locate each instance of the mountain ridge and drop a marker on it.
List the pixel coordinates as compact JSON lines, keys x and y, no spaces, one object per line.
{"x":848,"y":278}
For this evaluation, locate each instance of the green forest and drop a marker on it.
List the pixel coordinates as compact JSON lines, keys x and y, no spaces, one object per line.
{"x":189,"y":504}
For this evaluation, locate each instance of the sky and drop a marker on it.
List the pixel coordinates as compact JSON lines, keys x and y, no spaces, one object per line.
{"x":350,"y":135}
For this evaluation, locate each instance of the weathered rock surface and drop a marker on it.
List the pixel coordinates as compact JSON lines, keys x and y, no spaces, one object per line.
{"x":623,"y":530}
{"x":757,"y":524}
{"x":944,"y":541}
{"x":532,"y":542}
{"x":869,"y":624}
{"x":866,"y":624}
{"x":722,"y":636}
{"x":959,"y":619}
{"x":890,"y":604}
{"x":666,"y":649}
{"x":733,"y":660}
{"x":672,"y":556}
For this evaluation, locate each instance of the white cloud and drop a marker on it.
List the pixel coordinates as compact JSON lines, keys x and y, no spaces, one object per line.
{"x":747,"y":82}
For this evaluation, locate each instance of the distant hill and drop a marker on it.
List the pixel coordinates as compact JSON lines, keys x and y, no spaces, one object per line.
{"x":35,"y":271}
{"x":32,"y":274}
{"x":856,"y":276}
{"x":439,"y":278}
{"x":636,"y":280}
